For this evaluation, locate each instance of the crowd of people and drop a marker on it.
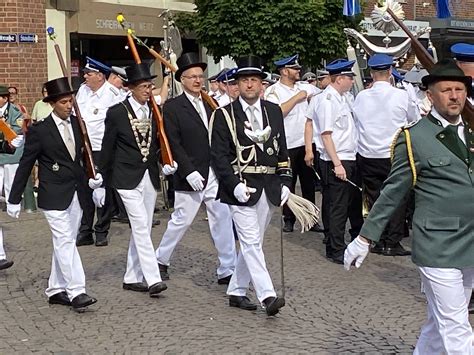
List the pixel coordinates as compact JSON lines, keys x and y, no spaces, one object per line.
{"x":399,"y":147}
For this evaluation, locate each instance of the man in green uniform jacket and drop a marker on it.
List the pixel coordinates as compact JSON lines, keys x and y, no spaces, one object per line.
{"x":435,"y":158}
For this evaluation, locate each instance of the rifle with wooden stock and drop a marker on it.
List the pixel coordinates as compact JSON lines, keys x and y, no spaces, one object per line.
{"x":427,"y":62}
{"x":130,"y":33}
{"x":90,"y":166}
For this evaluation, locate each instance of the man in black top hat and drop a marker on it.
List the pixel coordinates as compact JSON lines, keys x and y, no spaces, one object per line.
{"x":56,"y":144}
{"x":129,"y":162}
{"x":250,"y":158}
{"x":186,"y":124}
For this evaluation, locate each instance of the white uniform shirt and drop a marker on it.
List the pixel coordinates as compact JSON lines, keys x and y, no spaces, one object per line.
{"x":93,"y":107}
{"x":379,"y":112}
{"x":295,"y":120}
{"x":334,"y":115}
{"x":223,"y":100}
{"x":312,"y":114}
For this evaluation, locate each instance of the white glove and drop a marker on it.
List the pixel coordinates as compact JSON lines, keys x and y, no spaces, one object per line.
{"x":242,"y":192}
{"x":195,"y":180}
{"x":98,"y":196}
{"x":18,"y":141}
{"x":170,"y":169}
{"x":96,"y":182}
{"x":357,"y":250}
{"x":13,"y":210}
{"x":285,"y":195}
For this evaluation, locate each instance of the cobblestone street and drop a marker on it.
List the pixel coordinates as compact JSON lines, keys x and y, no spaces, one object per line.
{"x":378,"y":309}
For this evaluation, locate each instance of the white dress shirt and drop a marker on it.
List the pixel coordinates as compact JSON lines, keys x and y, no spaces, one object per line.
{"x":257,"y":112}
{"x":138,"y":107}
{"x":61,"y":127}
{"x":445,"y":123}
{"x":204,"y":117}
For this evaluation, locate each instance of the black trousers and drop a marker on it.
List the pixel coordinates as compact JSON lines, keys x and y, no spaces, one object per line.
{"x":306,"y":176}
{"x":374,"y":172}
{"x":104,"y":214}
{"x":341,"y":201}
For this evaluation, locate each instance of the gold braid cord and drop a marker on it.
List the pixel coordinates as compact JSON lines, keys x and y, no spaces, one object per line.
{"x":411,"y":159}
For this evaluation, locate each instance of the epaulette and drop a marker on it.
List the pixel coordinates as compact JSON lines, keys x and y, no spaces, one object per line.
{"x":114,"y":90}
{"x":411,"y":159}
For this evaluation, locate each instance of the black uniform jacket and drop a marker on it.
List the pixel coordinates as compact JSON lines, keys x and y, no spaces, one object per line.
{"x":59,"y":175}
{"x":188,"y":138}
{"x":121,"y":161}
{"x":274,"y":151}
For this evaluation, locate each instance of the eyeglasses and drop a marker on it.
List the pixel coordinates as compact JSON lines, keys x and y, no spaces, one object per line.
{"x":12,"y":92}
{"x":193,"y":77}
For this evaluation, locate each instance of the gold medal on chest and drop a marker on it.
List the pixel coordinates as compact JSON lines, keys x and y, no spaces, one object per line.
{"x":55,"y":167}
{"x":96,"y":110}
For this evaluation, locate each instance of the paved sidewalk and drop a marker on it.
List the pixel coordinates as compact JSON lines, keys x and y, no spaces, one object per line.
{"x":378,"y":309}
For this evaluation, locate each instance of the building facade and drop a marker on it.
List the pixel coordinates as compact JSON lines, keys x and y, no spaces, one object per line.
{"x":83,"y":28}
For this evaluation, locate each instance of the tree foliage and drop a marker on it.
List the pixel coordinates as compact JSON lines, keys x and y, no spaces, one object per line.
{"x":270,"y":29}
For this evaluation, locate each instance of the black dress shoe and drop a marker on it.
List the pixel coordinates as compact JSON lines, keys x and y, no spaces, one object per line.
{"x":137,"y":287}
{"x":242,"y":302}
{"x":84,"y":240}
{"x":273,"y":305}
{"x":317,"y":228}
{"x":82,"y":301}
{"x":120,"y":219}
{"x":337,"y":259}
{"x":164,"y":272}
{"x":288,"y":227}
{"x":378,"y":248}
{"x":224,"y":280}
{"x":5,"y":264}
{"x":396,"y":250}
{"x":101,"y":241}
{"x":59,"y":298}
{"x":157,"y":288}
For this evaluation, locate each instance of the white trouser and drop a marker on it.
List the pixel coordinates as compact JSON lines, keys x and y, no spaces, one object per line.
{"x":140,"y":205}
{"x":3,"y":256}
{"x":67,"y":273}
{"x":251,"y":223}
{"x":7,"y":174}
{"x":186,"y":207}
{"x":447,"y":329}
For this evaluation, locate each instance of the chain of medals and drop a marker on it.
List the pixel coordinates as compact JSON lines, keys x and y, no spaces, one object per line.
{"x":141,"y":127}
